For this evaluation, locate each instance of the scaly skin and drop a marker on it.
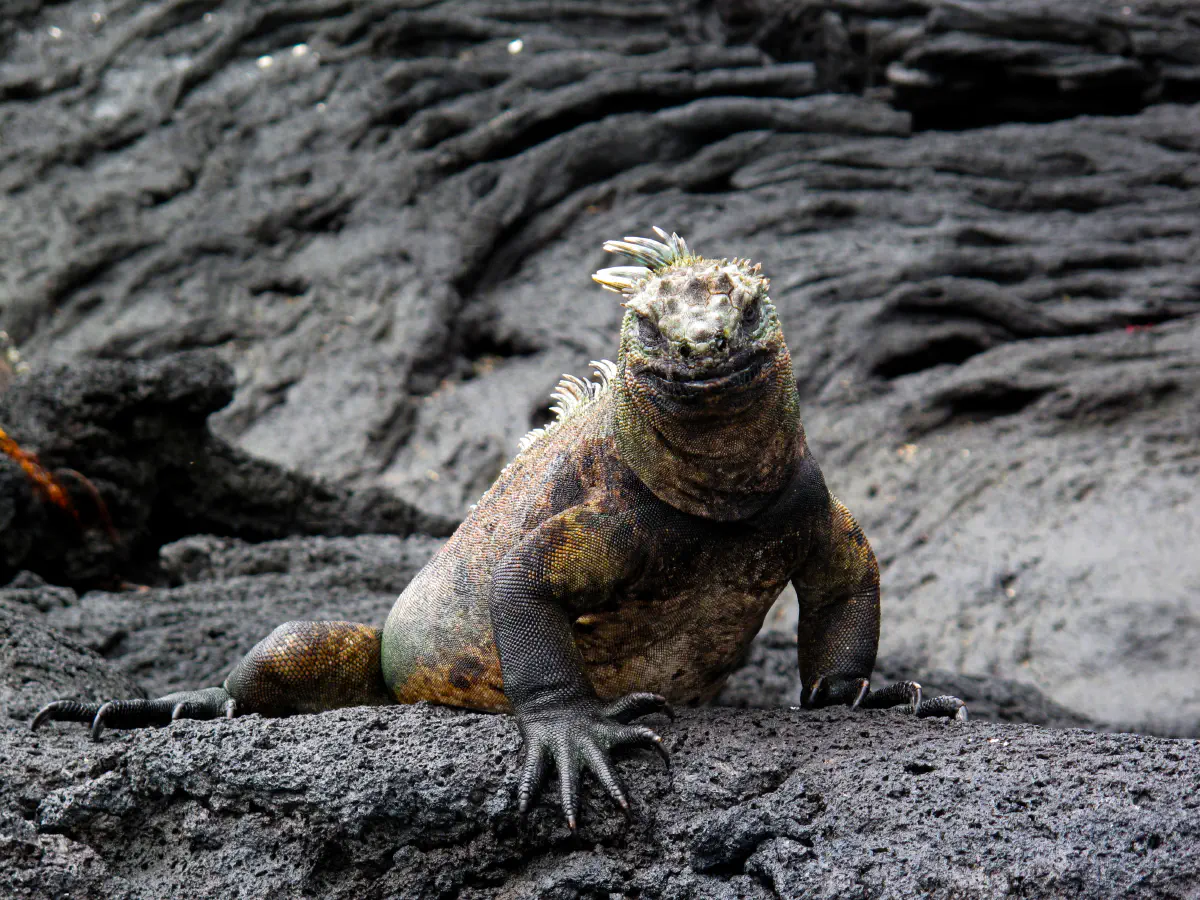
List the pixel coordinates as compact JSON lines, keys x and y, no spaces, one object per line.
{"x":621,"y":563}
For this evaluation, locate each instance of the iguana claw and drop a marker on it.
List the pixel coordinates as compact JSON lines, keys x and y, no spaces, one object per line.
{"x":579,"y":737}
{"x":633,"y":706}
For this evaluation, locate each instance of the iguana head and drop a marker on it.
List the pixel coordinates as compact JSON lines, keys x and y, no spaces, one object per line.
{"x":707,"y":406}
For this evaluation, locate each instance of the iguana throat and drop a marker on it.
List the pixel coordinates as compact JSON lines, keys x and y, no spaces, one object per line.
{"x":720,"y":458}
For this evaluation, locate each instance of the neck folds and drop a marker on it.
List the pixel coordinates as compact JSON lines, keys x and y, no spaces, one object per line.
{"x":709,"y":449}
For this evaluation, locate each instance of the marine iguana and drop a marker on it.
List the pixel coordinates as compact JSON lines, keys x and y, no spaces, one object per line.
{"x":621,"y":563}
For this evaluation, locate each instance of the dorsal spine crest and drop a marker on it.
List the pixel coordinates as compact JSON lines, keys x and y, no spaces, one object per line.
{"x":653,"y":255}
{"x":573,"y":394}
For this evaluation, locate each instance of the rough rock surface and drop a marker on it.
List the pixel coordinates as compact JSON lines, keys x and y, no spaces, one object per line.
{"x":306,"y":270}
{"x":415,"y":802}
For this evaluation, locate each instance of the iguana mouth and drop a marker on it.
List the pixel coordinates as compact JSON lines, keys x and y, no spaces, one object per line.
{"x":741,"y":370}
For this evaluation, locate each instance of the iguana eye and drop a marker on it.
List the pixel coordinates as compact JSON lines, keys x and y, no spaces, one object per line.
{"x":750,"y":315}
{"x":648,"y":333}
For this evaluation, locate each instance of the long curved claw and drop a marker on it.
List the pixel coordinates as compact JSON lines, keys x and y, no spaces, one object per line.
{"x":810,"y":699}
{"x":864,"y":688}
{"x":98,"y":721}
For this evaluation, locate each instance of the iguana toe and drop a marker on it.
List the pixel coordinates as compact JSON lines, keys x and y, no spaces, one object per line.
{"x":64,"y":711}
{"x":138,"y":713}
{"x":897,"y":694}
{"x":943,"y":707}
{"x":834,"y":690}
{"x":634,"y":706}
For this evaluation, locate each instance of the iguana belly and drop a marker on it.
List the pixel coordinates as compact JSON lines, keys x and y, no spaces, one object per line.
{"x":684,"y":647}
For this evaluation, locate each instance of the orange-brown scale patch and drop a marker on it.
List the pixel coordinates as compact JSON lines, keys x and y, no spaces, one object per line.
{"x":44,"y":484}
{"x":852,"y":559}
{"x":683,"y":648}
{"x":470,"y":678}
{"x":309,"y":667}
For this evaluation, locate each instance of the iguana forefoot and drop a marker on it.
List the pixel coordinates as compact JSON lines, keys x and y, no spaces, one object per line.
{"x":209,"y":703}
{"x":834,"y":690}
{"x":578,"y":735}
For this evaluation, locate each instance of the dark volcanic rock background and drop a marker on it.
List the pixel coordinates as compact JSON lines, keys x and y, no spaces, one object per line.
{"x":359,"y":235}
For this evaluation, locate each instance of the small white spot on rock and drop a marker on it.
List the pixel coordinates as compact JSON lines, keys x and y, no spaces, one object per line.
{"x":206,"y":18}
{"x":300,"y":50}
{"x":516,"y":46}
{"x":320,"y":107}
{"x":55,"y":32}
{"x":97,"y":18}
{"x":265,"y":62}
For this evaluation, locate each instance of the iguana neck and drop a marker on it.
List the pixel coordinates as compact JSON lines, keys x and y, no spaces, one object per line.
{"x":723,"y":466}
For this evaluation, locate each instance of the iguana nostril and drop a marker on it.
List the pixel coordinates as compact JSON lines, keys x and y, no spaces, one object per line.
{"x":685,"y":351}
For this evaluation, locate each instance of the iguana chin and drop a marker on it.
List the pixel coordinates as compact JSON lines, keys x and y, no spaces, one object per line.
{"x":622,"y":562}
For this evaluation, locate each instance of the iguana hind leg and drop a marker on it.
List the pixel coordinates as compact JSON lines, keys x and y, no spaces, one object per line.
{"x":300,"y":667}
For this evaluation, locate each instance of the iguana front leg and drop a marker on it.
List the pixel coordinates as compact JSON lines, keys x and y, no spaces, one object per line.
{"x":838,"y":629}
{"x":568,"y":564}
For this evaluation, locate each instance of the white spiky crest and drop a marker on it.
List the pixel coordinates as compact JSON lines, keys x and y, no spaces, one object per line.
{"x":653,"y":255}
{"x":573,"y":394}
